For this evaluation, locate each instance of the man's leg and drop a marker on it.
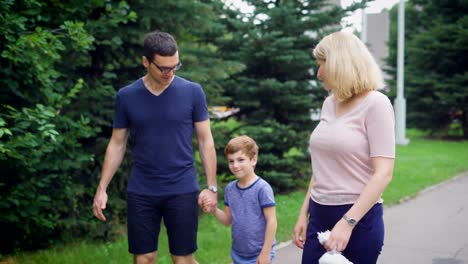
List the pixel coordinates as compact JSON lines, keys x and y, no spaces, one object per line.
{"x":188,"y":259}
{"x":181,"y":221}
{"x":148,"y":258}
{"x":144,"y":221}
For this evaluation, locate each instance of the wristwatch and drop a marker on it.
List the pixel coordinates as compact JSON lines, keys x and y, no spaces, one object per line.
{"x":212,"y":188}
{"x":351,"y":221}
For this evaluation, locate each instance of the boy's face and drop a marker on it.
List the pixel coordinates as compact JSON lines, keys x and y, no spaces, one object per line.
{"x":241,"y":165}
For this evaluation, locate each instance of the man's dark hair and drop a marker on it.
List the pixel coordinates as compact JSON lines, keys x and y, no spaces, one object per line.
{"x":159,"y":43}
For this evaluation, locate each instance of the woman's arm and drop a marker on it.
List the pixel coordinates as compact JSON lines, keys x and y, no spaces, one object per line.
{"x":383,"y":173}
{"x":300,"y":230}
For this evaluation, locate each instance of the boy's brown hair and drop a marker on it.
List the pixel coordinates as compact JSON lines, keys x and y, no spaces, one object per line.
{"x":242,"y":143}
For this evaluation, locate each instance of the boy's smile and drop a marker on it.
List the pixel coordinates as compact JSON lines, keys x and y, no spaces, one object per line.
{"x":242,"y":167}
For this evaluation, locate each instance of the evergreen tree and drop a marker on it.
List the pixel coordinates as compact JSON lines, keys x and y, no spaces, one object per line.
{"x":436,"y":77}
{"x":62,"y":63}
{"x":278,"y":89}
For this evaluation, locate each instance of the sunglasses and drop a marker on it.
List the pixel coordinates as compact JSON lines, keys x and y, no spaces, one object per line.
{"x":166,"y":70}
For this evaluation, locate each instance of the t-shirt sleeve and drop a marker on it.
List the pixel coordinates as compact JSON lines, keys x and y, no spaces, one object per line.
{"x":266,"y":196}
{"x":200,"y":108}
{"x":120,"y":113}
{"x":380,"y":124}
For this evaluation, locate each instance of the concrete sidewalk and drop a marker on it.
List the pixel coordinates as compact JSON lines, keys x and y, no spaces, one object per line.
{"x":429,"y":229}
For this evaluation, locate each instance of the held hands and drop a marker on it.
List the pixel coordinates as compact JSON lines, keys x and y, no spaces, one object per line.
{"x":300,"y":232}
{"x":99,"y":204}
{"x":339,"y":236}
{"x":208,"y":201}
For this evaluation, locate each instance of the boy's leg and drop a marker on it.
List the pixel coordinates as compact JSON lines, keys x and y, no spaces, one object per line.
{"x":181,"y":220}
{"x":144,"y":222}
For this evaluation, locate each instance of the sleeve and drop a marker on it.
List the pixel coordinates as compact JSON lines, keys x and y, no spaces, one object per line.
{"x":266,"y":196}
{"x":200,"y":108}
{"x":380,"y":124}
{"x":120,"y":113}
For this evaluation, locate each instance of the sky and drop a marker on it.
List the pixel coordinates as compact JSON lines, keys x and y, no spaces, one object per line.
{"x":355,"y":18}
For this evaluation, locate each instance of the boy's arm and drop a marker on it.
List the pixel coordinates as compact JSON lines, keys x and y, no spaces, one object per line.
{"x":270,"y":232}
{"x":223,"y":216}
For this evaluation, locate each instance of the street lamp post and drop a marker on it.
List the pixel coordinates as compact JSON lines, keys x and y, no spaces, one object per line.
{"x":400,"y":101}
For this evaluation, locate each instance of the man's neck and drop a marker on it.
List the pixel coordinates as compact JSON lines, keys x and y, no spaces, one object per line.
{"x":153,"y":86}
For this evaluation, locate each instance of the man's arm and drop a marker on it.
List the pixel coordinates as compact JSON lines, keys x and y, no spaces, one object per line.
{"x":270,"y":231}
{"x":114,"y":156}
{"x":208,"y":157}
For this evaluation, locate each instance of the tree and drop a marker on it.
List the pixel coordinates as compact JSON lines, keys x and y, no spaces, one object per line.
{"x":62,"y":62}
{"x":278,"y":89}
{"x":39,"y":142}
{"x":436,"y":76}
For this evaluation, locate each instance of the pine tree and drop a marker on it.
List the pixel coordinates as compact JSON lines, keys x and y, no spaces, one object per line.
{"x":436,"y":74}
{"x":278,"y":89}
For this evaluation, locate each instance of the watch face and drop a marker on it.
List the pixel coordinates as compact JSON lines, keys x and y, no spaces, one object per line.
{"x":351,"y":221}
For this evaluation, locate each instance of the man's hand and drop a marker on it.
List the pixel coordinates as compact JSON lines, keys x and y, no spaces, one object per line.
{"x":208,"y":201}
{"x":100,"y":201}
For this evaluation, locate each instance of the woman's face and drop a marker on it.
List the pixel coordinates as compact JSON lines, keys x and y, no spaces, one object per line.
{"x":322,"y":74}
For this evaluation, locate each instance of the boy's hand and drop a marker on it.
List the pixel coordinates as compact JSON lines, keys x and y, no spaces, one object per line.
{"x":208,"y":200}
{"x":206,"y":206}
{"x":264,"y":258}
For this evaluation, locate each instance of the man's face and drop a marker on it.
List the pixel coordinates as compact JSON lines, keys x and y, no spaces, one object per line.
{"x":162,"y":69}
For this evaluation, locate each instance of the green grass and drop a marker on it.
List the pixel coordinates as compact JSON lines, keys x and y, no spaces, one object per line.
{"x":420,"y":164}
{"x":423,"y":163}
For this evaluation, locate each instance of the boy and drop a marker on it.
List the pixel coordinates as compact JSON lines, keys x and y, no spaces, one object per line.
{"x":249,"y":206}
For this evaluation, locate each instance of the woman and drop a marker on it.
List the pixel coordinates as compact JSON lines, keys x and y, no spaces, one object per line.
{"x":352,"y":154}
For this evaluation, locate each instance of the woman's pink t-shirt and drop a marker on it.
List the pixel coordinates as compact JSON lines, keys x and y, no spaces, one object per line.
{"x":341,"y":148}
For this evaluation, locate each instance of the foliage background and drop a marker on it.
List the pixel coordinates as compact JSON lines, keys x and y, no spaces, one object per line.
{"x":436,"y":75}
{"x":63,"y":61}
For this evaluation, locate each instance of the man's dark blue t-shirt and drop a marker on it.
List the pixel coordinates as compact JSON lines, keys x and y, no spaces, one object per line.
{"x":161,"y":130}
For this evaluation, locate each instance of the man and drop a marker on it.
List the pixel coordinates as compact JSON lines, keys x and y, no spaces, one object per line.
{"x":160,"y":113}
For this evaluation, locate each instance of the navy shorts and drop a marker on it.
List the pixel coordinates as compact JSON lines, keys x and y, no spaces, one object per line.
{"x":180,"y":216}
{"x":365,"y":243}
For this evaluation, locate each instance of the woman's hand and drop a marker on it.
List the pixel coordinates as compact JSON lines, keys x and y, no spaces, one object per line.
{"x":300,"y":231}
{"x":339,"y":236}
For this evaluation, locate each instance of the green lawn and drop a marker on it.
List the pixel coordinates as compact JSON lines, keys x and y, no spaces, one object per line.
{"x":420,"y":164}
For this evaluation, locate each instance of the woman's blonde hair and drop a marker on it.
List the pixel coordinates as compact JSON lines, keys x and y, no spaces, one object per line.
{"x":350,"y":68}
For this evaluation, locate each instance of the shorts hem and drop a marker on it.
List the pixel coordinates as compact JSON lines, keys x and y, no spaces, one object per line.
{"x":183,"y":253}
